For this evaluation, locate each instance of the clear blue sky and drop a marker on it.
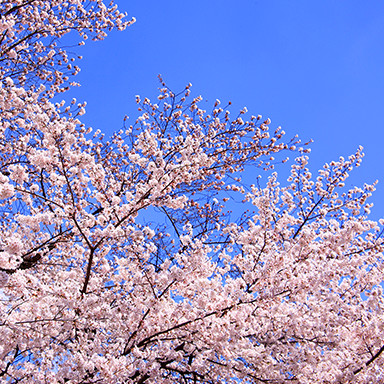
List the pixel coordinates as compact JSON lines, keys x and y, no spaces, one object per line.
{"x":314,"y":67}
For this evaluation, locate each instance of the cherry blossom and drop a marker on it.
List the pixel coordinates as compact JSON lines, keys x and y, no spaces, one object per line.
{"x":120,"y":258}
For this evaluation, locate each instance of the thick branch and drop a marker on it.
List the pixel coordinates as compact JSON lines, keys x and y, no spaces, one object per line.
{"x":370,"y":361}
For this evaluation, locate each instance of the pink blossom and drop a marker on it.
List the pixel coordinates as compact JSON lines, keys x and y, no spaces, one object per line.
{"x":120,"y":260}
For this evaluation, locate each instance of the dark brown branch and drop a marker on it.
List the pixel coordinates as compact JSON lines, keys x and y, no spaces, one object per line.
{"x":370,"y":361}
{"x":17,"y":7}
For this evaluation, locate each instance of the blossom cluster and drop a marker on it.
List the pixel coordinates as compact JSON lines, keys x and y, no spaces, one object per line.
{"x":120,"y":258}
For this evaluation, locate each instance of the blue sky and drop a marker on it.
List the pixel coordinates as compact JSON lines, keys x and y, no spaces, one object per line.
{"x":314,"y":67}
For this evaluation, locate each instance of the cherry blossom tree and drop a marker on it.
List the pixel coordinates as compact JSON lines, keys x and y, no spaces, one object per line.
{"x":121,"y":261}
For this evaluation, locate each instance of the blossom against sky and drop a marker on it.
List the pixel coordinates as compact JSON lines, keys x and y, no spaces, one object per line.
{"x":313,"y":67}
